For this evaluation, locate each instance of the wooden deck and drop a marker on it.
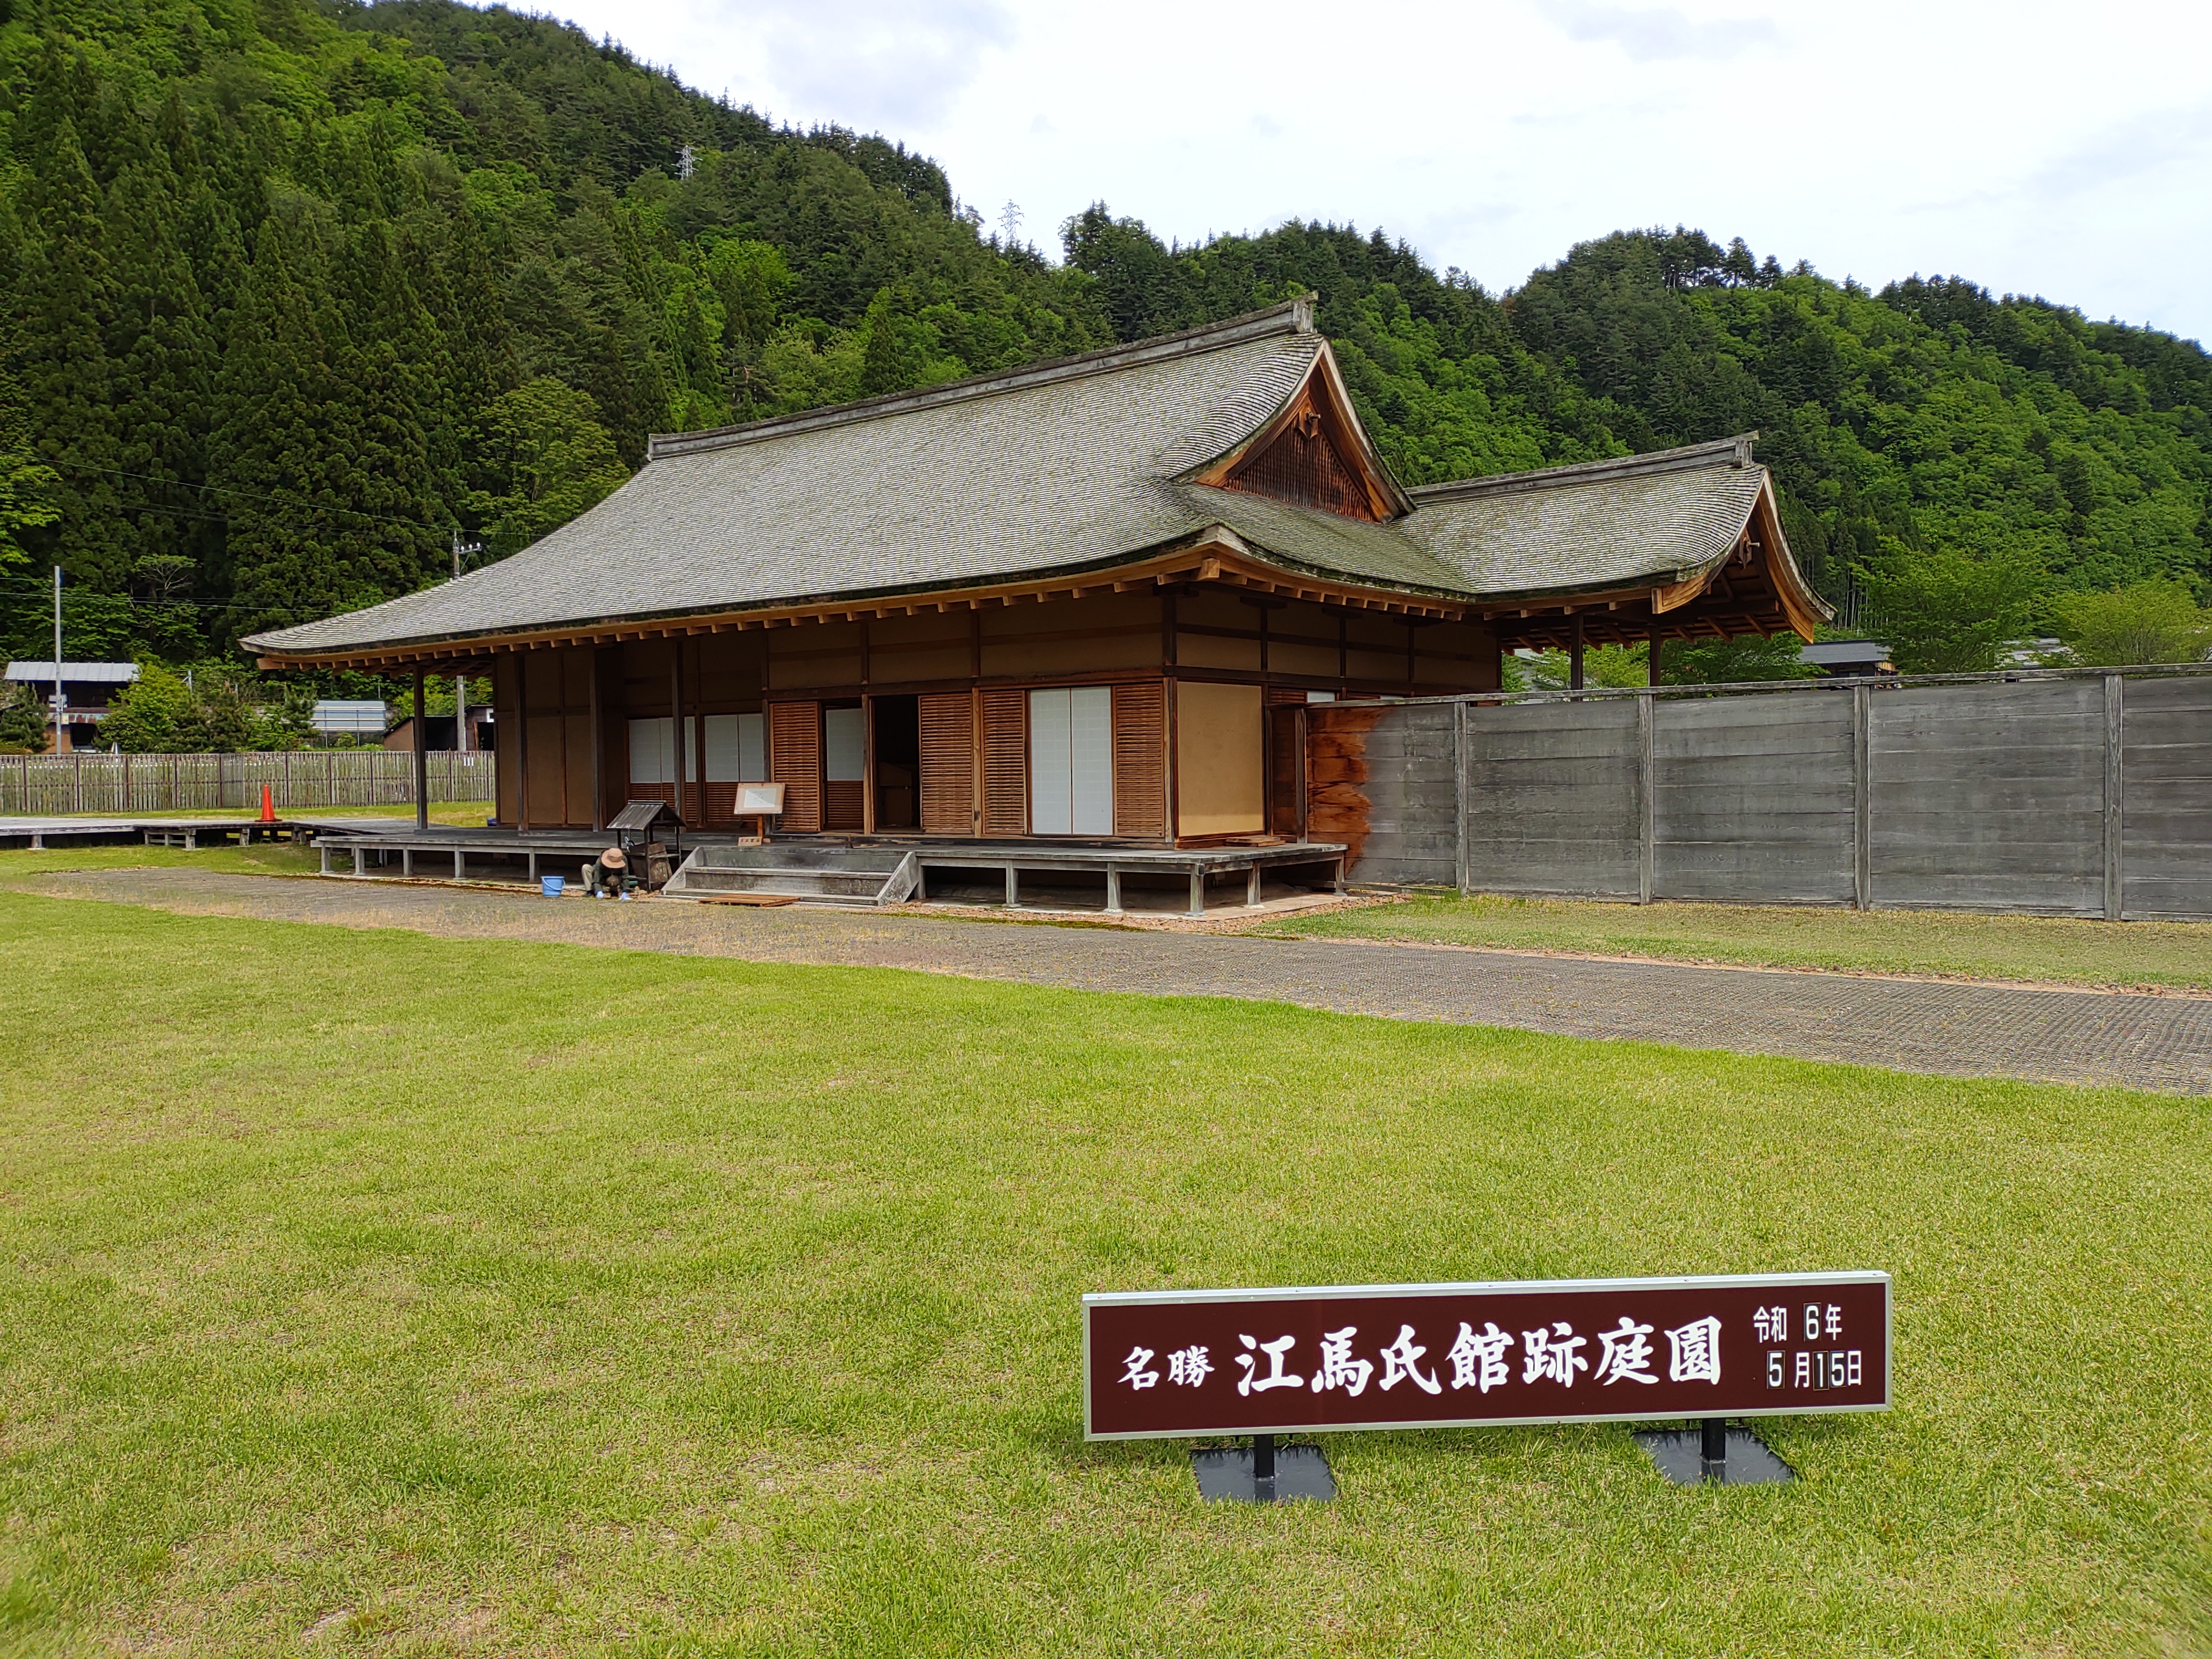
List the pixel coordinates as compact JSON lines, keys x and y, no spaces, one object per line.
{"x":461,"y":853}
{"x":40,"y":834}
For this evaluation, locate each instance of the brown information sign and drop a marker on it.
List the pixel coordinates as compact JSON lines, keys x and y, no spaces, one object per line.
{"x":1162,"y":1363}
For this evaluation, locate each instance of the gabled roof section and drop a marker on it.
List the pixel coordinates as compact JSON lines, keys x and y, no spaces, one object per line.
{"x":1667,"y":522}
{"x":1062,"y":465}
{"x":1314,"y":451}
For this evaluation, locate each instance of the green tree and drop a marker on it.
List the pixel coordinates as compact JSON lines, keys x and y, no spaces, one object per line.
{"x":155,"y":714}
{"x":2145,"y":623}
{"x":541,"y":458}
{"x":1732,"y":662}
{"x":24,"y":720}
{"x":1947,"y":612}
{"x":27,"y":484}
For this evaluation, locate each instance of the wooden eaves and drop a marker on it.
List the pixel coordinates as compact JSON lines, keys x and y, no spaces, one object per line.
{"x":1755,"y":589}
{"x":1216,"y":555}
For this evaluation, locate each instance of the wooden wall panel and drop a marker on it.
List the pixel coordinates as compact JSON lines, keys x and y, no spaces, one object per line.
{"x":1006,"y":763}
{"x":1211,"y":651}
{"x":578,"y":725}
{"x":1221,"y":767}
{"x":2167,"y":797}
{"x":1140,"y":801}
{"x":826,"y":653}
{"x":542,"y":771}
{"x":1553,"y":802}
{"x":506,"y":710}
{"x":795,"y":760}
{"x":948,"y":762}
{"x":1989,"y":796}
{"x":1752,"y":798}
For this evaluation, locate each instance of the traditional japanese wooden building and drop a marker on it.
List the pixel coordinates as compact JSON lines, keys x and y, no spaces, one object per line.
{"x":1086,"y":598}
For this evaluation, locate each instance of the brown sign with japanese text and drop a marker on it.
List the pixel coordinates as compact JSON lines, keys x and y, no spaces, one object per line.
{"x":1427,"y":1356}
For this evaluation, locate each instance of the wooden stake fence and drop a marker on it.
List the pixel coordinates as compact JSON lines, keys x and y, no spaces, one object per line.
{"x":52,"y":786}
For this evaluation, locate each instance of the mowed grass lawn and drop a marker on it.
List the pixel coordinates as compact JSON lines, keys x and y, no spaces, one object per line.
{"x":369,"y":1292}
{"x":2061,"y":950}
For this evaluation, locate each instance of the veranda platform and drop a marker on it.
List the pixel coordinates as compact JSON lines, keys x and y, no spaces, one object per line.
{"x":842,"y":870}
{"x":40,"y":834}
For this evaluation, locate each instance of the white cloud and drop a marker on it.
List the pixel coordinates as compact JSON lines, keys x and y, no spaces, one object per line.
{"x":1649,"y":34}
{"x":2033,"y":145}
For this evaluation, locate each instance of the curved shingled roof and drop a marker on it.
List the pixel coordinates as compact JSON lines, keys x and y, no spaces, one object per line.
{"x":1659,"y":517}
{"x":1074,"y":465}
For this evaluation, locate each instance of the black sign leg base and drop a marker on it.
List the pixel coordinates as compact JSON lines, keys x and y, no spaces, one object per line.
{"x":1262,"y":1472}
{"x":1710,"y":1451}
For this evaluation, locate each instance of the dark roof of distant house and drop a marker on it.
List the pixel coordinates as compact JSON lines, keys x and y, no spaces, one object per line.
{"x":1072,"y":467}
{"x":83,"y":673}
{"x":1837,"y":654}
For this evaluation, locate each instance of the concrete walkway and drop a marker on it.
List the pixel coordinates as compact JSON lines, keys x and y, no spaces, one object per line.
{"x":1957,"y":1029}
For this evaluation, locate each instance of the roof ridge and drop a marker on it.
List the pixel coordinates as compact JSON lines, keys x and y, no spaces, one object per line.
{"x":1291,"y":317}
{"x":1733,"y":452}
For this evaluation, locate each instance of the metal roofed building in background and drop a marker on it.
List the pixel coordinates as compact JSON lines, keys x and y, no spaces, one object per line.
{"x":335,"y":716}
{"x":74,"y":673}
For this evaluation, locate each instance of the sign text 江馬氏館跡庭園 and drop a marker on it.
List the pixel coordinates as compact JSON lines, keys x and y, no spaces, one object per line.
{"x":1160,"y":1364}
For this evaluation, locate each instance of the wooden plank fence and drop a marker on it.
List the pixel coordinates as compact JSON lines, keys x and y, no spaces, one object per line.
{"x":53,"y":785}
{"x":2057,"y":792}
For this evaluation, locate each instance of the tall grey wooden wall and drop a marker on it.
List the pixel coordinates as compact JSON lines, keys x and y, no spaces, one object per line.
{"x":2082,"y":795}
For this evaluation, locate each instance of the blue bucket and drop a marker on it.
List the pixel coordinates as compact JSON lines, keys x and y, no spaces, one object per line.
{"x":551,"y":886}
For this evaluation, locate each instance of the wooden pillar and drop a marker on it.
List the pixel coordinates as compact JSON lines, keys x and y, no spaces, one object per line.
{"x":676,"y":716}
{"x":421,"y":761}
{"x":598,"y":756}
{"x":868,"y":747}
{"x":1574,"y":657}
{"x":522,"y":743}
{"x":2115,"y":889}
{"x":1656,"y":642}
{"x":698,"y":761}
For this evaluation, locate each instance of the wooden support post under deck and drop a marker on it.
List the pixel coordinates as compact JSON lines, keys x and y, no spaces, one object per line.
{"x":675,"y":720}
{"x":326,"y":852}
{"x":1113,"y":890}
{"x":1252,"y":887}
{"x":1197,"y":893}
{"x":1013,"y":888}
{"x":421,"y":761}
{"x":460,"y":864}
{"x":360,"y":864}
{"x":407,"y":861}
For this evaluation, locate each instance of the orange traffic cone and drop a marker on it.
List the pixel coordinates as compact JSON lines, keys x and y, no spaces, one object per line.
{"x":268,"y":806}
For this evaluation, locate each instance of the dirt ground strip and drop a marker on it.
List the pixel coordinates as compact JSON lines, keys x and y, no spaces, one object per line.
{"x":1947,"y":1029}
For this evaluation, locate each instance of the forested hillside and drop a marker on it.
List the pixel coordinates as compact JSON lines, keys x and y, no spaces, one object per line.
{"x":300,"y":295}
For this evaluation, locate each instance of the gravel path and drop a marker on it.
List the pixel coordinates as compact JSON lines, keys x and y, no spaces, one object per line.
{"x":1958,"y":1029}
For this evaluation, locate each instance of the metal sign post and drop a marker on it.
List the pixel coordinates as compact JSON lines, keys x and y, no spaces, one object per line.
{"x":1268,"y":1362}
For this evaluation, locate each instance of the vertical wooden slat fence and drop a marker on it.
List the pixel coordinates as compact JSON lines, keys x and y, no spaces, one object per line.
{"x":2057,"y":793}
{"x":124,"y":786}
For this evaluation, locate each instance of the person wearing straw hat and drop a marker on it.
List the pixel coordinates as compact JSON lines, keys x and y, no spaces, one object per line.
{"x":611,"y":875}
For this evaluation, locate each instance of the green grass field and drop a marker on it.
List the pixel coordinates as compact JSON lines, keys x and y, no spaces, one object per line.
{"x":367,"y":1292}
{"x":2050,"y":948}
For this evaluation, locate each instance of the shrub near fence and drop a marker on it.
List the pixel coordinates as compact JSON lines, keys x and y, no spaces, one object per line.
{"x":51,"y":786}
{"x":2055,"y":792}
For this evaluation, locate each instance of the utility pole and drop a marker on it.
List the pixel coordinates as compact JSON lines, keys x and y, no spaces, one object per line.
{"x":460,"y":681}
{"x":61,"y":702}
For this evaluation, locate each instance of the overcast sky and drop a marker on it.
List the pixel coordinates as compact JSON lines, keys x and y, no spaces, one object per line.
{"x":2041,"y":148}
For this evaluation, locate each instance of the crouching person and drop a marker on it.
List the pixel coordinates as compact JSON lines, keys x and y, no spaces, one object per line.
{"x":611,"y":875}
